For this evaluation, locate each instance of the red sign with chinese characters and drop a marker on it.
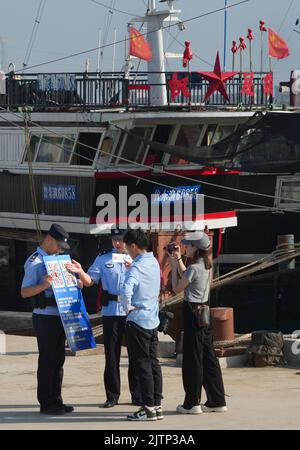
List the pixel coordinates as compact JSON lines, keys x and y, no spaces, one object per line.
{"x":248,"y":86}
{"x":177,"y":86}
{"x":269,"y":84}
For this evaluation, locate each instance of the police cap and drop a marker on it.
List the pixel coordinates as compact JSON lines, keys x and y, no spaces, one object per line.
{"x":117,"y":234}
{"x":58,"y":233}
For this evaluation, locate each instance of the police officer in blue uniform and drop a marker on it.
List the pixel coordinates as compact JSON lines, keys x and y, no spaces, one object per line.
{"x":47,"y":323}
{"x":111,"y":275}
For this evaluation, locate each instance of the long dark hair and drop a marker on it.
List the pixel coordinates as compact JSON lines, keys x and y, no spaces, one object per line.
{"x":202,"y":254}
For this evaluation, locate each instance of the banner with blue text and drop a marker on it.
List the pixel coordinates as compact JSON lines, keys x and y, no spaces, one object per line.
{"x":70,"y":304}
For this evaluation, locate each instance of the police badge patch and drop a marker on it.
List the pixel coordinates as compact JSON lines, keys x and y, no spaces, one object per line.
{"x":33,"y":257}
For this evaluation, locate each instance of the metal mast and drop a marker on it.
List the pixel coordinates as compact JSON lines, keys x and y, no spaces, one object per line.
{"x":157,"y":67}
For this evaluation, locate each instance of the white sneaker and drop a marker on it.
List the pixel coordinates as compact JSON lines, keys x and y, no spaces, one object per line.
{"x":219,"y":409}
{"x":159,"y":413}
{"x":195,"y":410}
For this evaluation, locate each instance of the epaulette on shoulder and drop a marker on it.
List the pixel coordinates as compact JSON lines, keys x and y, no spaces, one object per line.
{"x":33,"y":257}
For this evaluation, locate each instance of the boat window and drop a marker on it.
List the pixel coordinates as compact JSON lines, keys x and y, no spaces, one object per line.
{"x":33,"y":147}
{"x":107,"y":148}
{"x":122,"y":137}
{"x":287,"y":191}
{"x":162,"y":135}
{"x":258,"y":146}
{"x":209,"y":135}
{"x":86,"y":149}
{"x":222,"y":133}
{"x":55,"y":149}
{"x":134,"y":149}
{"x":188,"y":136}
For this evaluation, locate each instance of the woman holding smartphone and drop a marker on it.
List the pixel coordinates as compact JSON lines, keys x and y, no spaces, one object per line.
{"x":200,"y":367}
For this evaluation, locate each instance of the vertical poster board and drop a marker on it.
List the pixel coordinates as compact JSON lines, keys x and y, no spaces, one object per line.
{"x":70,"y":304}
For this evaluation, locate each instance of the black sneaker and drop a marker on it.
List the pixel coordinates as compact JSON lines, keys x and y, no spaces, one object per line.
{"x":68,"y":408}
{"x":143,"y":414}
{"x":108,"y":404}
{"x":54,"y":411}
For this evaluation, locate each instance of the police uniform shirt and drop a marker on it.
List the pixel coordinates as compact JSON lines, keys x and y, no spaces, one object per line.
{"x":35,"y":271}
{"x":112,"y":276}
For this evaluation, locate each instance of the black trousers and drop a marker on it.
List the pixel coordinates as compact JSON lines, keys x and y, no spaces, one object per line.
{"x":200,"y":366}
{"x":113,"y":333}
{"x":51,"y":344}
{"x":142,"y":350}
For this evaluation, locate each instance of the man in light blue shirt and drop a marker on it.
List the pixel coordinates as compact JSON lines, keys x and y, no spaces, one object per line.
{"x":111,"y":274}
{"x":140,"y":299}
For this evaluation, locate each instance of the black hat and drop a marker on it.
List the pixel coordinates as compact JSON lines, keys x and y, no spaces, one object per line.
{"x":58,"y":233}
{"x":116,"y":234}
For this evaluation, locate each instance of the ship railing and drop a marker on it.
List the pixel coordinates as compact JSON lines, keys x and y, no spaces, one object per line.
{"x":114,"y":90}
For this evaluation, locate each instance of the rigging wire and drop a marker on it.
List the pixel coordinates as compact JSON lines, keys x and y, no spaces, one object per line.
{"x":158,"y":170}
{"x":112,"y":9}
{"x":286,"y":15}
{"x":195,"y":54}
{"x":32,"y":188}
{"x":201,"y":16}
{"x":164,"y":172}
{"x":109,"y":19}
{"x":155,"y":183}
{"x":280,"y":28}
{"x":34,"y":32}
{"x":289,"y":40}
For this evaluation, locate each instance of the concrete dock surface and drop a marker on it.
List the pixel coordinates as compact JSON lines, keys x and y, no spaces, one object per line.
{"x":267,"y":398}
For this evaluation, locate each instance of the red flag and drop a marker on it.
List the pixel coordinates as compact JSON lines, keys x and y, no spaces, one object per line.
{"x":262,"y":26}
{"x":278,"y":48}
{"x":243,"y":46}
{"x":139,"y":47}
{"x":188,"y":54}
{"x":250,"y":35}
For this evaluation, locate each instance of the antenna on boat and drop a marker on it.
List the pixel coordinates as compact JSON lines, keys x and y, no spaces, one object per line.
{"x":99,"y":51}
{"x":114,"y":50}
{"x":225,"y":35}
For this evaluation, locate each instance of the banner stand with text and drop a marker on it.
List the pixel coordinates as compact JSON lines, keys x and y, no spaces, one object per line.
{"x":70,"y":304}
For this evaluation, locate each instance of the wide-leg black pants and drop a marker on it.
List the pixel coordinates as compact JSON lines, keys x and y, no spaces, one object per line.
{"x":51,"y":344}
{"x":142,"y":349}
{"x":200,"y":366}
{"x":113,"y":333}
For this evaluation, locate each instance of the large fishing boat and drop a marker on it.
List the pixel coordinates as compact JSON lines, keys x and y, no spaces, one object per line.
{"x":67,"y":138}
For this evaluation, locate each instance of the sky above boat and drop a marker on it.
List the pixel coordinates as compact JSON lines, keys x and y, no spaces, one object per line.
{"x":70,"y":26}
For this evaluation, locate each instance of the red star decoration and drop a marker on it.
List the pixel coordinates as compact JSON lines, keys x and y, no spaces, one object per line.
{"x":217,"y":80}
